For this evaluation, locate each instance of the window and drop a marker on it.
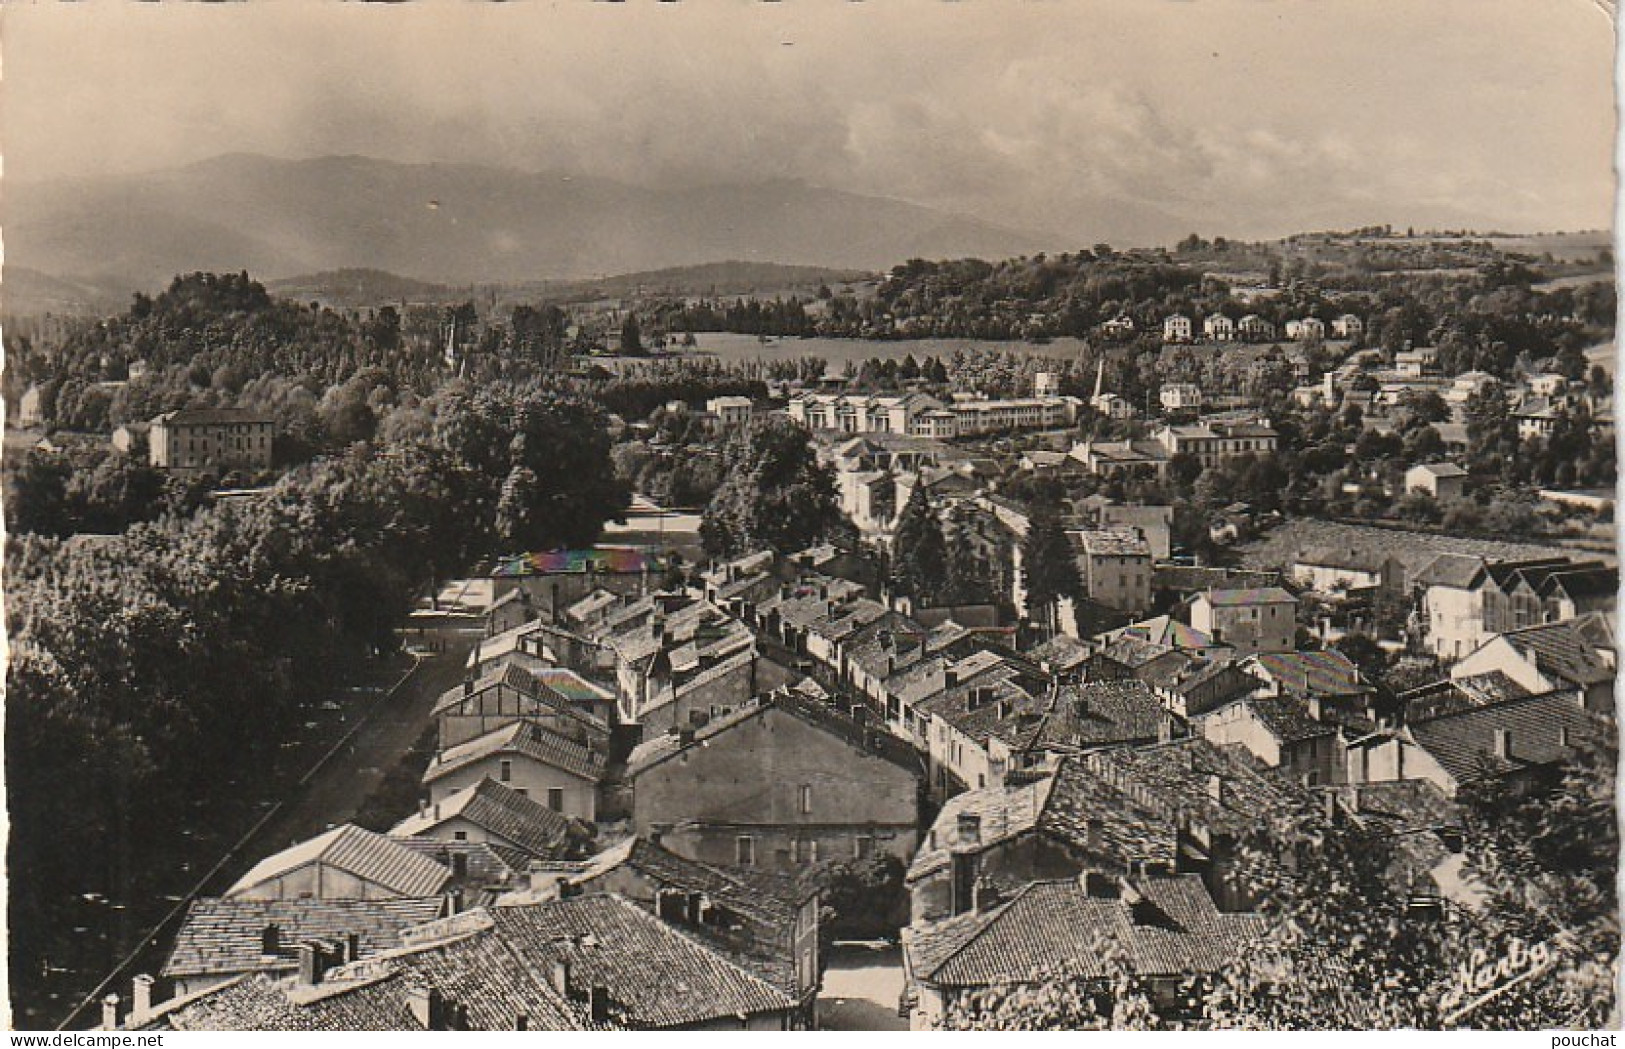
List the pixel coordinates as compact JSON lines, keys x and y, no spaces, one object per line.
{"x":863,"y":846}
{"x":805,"y":799}
{"x":555,"y":798}
{"x":506,"y":770}
{"x":745,"y":851}
{"x":459,"y":835}
{"x":806,"y":851}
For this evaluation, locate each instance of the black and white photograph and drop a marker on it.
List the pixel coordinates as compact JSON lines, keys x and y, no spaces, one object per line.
{"x":824,"y":515}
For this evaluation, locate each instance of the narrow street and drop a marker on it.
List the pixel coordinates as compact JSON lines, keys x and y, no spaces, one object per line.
{"x":340,"y":787}
{"x":861,"y":989}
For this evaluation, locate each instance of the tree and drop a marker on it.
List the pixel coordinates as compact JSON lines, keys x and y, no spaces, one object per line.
{"x":1049,"y":566}
{"x":919,"y":550}
{"x":776,"y":495}
{"x":631,"y":337}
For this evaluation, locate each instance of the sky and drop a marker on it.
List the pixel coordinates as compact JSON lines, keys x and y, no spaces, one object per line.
{"x":1237,"y":117}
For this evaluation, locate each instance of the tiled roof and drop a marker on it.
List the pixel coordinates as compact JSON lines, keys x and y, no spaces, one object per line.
{"x":1163,"y":927}
{"x":655,"y":976}
{"x":488,"y":865}
{"x":572,"y":686}
{"x":1464,"y":742}
{"x":1287,"y":719}
{"x":370,"y":857}
{"x":1561,"y":650}
{"x":214,"y":417}
{"x":879,"y":743}
{"x":1223,"y":788}
{"x":1113,"y":542}
{"x":1457,"y":571}
{"x":1264,"y":595}
{"x":1166,"y":630}
{"x":224,"y":935}
{"x":1592,"y":581}
{"x":1100,"y":713}
{"x":526,"y":738}
{"x":500,"y":810}
{"x":751,"y":916}
{"x":1190,"y":580}
{"x":1062,"y":653}
{"x":1323,"y":673}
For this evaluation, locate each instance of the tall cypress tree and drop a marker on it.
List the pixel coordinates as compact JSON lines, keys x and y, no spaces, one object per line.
{"x":919,"y":551}
{"x":1049,"y":565}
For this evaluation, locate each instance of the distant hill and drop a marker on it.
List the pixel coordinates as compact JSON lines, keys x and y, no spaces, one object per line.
{"x":28,"y":292}
{"x":456,"y":224}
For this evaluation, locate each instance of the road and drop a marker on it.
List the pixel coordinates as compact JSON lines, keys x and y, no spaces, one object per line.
{"x":861,"y":988}
{"x":339,"y":787}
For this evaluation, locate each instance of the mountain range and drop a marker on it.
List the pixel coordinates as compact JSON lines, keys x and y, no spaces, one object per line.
{"x":453,"y":224}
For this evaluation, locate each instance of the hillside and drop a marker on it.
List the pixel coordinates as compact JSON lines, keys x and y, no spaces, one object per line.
{"x":455,"y":224}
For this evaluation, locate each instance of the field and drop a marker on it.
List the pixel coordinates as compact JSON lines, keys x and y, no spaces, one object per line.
{"x":1567,"y":247}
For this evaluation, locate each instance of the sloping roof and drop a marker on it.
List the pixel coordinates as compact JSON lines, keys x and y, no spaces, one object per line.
{"x":521,"y":737}
{"x":1262,"y":595}
{"x":1287,"y":718}
{"x":1100,"y":713}
{"x":1323,"y":673}
{"x":500,"y":810}
{"x":1563,"y":651}
{"x":370,"y":857}
{"x":1163,"y":926}
{"x":1061,"y":652}
{"x":487,"y":865}
{"x":1589,"y":581}
{"x":215,"y":417}
{"x":655,"y":976}
{"x":615,"y":560}
{"x":1464,"y":742}
{"x":224,"y":935}
{"x":1457,"y":571}
{"x":874,"y":742}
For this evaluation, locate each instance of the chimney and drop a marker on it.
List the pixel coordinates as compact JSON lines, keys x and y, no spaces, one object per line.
{"x":1099,"y":886}
{"x":141,"y":995}
{"x":1315,"y":710}
{"x":271,"y":939}
{"x":1503,"y":743}
{"x":984,"y":895}
{"x":426,"y":1007}
{"x":598,"y":1003}
{"x":468,"y":684}
{"x":1097,"y":834}
{"x":950,"y":677}
{"x":561,"y":978}
{"x":312,"y":964}
{"x":1563,"y":736}
{"x":1006,"y":708}
{"x":352,"y":946}
{"x":110,"y":1013}
{"x":436,"y":810}
{"x":970,"y":828}
{"x":454,"y":901}
{"x":685,"y":735}
{"x":521,"y":1022}
{"x":1215,"y":788}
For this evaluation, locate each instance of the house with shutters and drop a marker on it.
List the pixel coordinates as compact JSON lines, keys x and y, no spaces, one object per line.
{"x":1280,"y":732}
{"x":561,"y":773}
{"x":783,"y":783}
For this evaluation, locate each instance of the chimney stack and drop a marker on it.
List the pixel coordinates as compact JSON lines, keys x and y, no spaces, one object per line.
{"x":352,"y":947}
{"x":141,"y":995}
{"x":110,"y":1013}
{"x":1215,"y":788}
{"x":1503,"y":743}
{"x":950,"y":677}
{"x":970,"y":828}
{"x":561,"y":978}
{"x":984,"y":895}
{"x":313,"y":962}
{"x":271,"y":939}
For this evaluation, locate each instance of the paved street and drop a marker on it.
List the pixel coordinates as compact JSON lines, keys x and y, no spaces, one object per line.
{"x":861,"y":989}
{"x":335,"y":793}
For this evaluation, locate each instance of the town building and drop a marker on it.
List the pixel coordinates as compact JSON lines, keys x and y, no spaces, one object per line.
{"x":495,"y":814}
{"x":1180,"y":396}
{"x":195,"y":440}
{"x":781,"y":784}
{"x":1576,"y":655}
{"x":1218,"y":327}
{"x":730,"y":411}
{"x":1348,"y":326}
{"x":1440,"y":480}
{"x":345,"y":863}
{"x":1177,"y":328}
{"x":563,"y":774}
{"x":1262,"y":619}
{"x":1167,"y":929}
{"x":1115,"y":564}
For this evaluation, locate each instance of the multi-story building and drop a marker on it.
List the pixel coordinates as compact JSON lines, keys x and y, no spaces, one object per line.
{"x":1116,"y":567}
{"x":194,"y":440}
{"x":1177,"y":329}
{"x":1180,"y":396}
{"x":1218,"y":327}
{"x":1257,"y":619}
{"x":1213,"y":443}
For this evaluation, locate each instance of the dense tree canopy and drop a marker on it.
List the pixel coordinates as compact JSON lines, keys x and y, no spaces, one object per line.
{"x":776,"y":495}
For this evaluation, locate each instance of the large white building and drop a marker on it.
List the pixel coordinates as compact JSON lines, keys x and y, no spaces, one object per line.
{"x":917,"y":415}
